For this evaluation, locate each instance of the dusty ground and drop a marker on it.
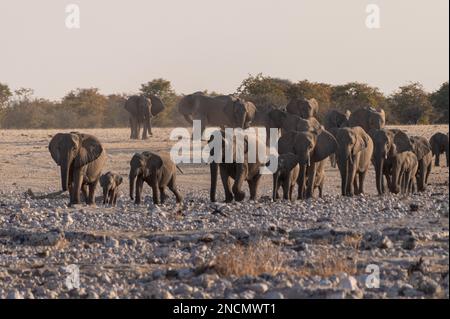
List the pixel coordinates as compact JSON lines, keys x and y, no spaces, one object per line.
{"x":317,"y":248}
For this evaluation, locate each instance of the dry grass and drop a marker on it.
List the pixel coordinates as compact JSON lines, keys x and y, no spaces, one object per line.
{"x":352,"y":241}
{"x":327,"y":264}
{"x":254,"y":259}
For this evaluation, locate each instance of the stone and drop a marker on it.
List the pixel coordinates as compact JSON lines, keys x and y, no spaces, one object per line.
{"x":348,"y":283}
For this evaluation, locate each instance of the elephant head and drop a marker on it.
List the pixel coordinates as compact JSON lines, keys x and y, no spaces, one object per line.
{"x":305,"y":108}
{"x":242,"y":112}
{"x":73,"y":150}
{"x":336,"y":119}
{"x":138,"y":167}
{"x":157,"y":106}
{"x":109,"y":182}
{"x":186,"y":106}
{"x":350,"y":141}
{"x":420,"y":146}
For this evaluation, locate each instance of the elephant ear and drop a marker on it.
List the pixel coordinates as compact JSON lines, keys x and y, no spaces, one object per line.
{"x":90,"y":150}
{"x":131,"y":104}
{"x":420,"y":146}
{"x":53,"y":147}
{"x":362,"y":140}
{"x":326,"y":145}
{"x":157,"y":105}
{"x":401,"y":141}
{"x":155,"y":162}
{"x":277,"y":117}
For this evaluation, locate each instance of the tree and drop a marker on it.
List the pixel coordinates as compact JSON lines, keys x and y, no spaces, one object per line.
{"x":5,"y":95}
{"x":439,"y":100}
{"x":355,"y":95}
{"x":319,"y":91}
{"x":410,"y":104}
{"x":89,"y":106}
{"x":265,"y":91}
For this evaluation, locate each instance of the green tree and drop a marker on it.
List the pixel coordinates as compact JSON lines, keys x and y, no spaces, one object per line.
{"x":439,"y":100}
{"x":5,"y":95}
{"x":89,"y":106}
{"x":410,"y":104}
{"x":355,"y":95}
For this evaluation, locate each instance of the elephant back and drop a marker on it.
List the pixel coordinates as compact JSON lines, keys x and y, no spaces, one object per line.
{"x":157,"y":105}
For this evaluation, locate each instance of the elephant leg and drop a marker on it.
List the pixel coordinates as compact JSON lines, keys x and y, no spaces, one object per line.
{"x":311,"y":174}
{"x":276,"y":178}
{"x":150,"y":133}
{"x":362,"y":177}
{"x":226,"y":182}
{"x":84,"y":191}
{"x":351,"y":179}
{"x":114,"y":197}
{"x":356,"y":184}
{"x":428,"y":173}
{"x":286,"y":188}
{"x":213,"y":169}
{"x":253,"y":187}
{"x":139,"y":187}
{"x":321,"y":190}
{"x":333,"y":160}
{"x":301,"y":182}
{"x":241,"y":175}
{"x":173,"y":188}
{"x":437,"y":160}
{"x":92,"y":187}
{"x":162,"y":191}
{"x":155,"y":191}
{"x":291,"y":191}
{"x":421,"y":176}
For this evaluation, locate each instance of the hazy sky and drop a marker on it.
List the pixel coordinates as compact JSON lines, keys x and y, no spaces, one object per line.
{"x":214,"y":44}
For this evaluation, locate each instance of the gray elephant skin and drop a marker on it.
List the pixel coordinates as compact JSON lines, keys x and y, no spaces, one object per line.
{"x":142,"y":109}
{"x":404,"y":170}
{"x":335,"y":119}
{"x":286,"y":176}
{"x":221,"y":111}
{"x":354,"y":153}
{"x":158,"y":171}
{"x":439,"y":145}
{"x":422,"y":148}
{"x":305,"y":108}
{"x":81,"y":158}
{"x":110,"y":183}
{"x":368,"y":118}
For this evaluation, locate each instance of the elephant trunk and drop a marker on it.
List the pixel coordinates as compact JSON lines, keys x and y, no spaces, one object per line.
{"x":395,"y":187}
{"x":379,"y":164}
{"x":106,"y":190}
{"x":213,"y":167}
{"x":65,"y":171}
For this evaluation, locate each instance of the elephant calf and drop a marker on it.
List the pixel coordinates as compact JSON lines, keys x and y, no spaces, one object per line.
{"x":158,"y":171}
{"x":404,"y":170}
{"x":439,"y":144}
{"x":110,"y":183}
{"x":286,"y":175}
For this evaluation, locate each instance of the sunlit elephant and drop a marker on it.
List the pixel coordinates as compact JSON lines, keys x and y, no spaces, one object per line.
{"x":311,"y":148}
{"x":439,"y":144}
{"x":335,"y":119}
{"x":81,"y":158}
{"x":387,"y":144}
{"x":221,"y":111}
{"x":354,"y":152}
{"x":141,"y":110}
{"x":422,"y":148}
{"x":368,"y":118}
{"x":305,"y":108}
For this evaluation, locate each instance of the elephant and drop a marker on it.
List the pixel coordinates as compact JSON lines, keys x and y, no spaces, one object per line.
{"x":422,"y":148}
{"x":439,"y":144}
{"x":354,"y":152}
{"x":311,"y":148}
{"x":335,"y":119}
{"x":142,"y":109}
{"x":286,"y":176}
{"x":81,"y":158}
{"x":368,"y":118}
{"x":387,"y":144}
{"x":305,"y":108}
{"x":222,"y":111}
{"x":158,"y":171}
{"x":110,"y":183}
{"x":404,"y":170}
{"x":234,"y":171}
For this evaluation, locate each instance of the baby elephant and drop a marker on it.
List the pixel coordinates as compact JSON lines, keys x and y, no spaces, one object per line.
{"x":286,"y":175}
{"x":404,"y":170}
{"x":110,"y":183}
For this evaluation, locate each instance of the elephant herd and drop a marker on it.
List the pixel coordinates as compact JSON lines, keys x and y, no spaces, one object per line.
{"x":352,"y":142}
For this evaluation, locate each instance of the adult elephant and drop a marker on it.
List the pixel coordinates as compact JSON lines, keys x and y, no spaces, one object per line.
{"x":311,"y":148}
{"x":422,"y":148}
{"x":368,"y":118}
{"x":305,"y":108}
{"x":81,"y":158}
{"x":387,"y":144}
{"x":222,"y":111}
{"x":439,"y":144}
{"x":142,"y":109}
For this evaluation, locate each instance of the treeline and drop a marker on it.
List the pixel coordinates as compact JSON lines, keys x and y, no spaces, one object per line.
{"x":88,"y":108}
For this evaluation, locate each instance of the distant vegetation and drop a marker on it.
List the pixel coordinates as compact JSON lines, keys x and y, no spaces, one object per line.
{"x":88,"y":108}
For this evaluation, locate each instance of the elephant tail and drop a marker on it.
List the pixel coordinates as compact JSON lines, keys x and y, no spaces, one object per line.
{"x":179,"y":168}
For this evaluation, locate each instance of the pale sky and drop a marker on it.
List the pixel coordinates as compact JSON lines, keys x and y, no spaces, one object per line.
{"x":215,"y":44}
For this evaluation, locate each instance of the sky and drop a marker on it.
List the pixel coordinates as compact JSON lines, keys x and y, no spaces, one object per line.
{"x":215,"y":44}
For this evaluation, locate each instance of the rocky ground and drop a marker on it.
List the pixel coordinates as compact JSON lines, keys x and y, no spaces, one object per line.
{"x":361,"y":247}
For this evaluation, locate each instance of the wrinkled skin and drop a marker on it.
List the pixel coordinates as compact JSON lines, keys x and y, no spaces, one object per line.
{"x":234,"y":174}
{"x":387,"y":143}
{"x":110,"y":183}
{"x":422,"y":148}
{"x":335,"y":119}
{"x":220,"y":111}
{"x":404,"y":170}
{"x":158,"y":171}
{"x":81,"y":158}
{"x":142,"y":109}
{"x":310,"y":149}
{"x":354,"y":152}
{"x":286,"y":176}
{"x":305,"y":108}
{"x":368,"y":118}
{"x":439,"y":145}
